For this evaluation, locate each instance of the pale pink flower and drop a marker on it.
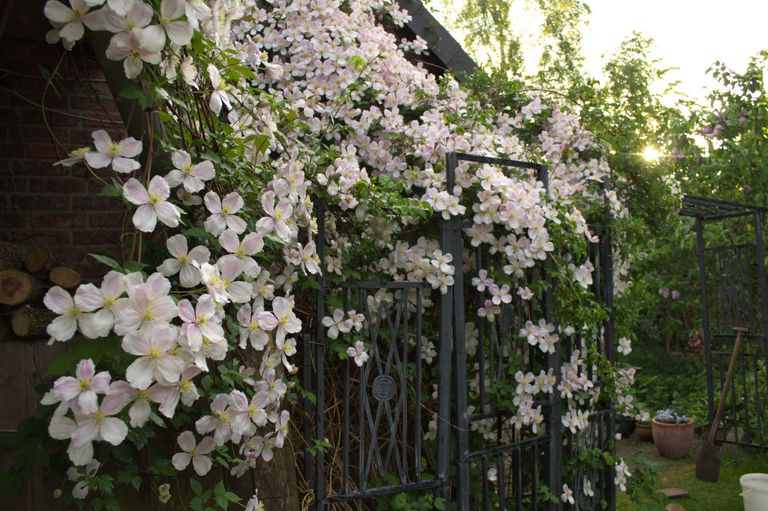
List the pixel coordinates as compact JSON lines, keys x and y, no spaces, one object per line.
{"x":100,"y":425}
{"x":193,"y":177}
{"x":278,"y":216}
{"x":83,"y":478}
{"x":199,"y":321}
{"x":155,"y":359}
{"x":194,"y":452}
{"x":135,"y":47}
{"x":70,"y":19}
{"x":148,"y":304}
{"x":219,"y":95}
{"x":65,"y":325}
{"x":274,"y":387}
{"x":281,"y":428}
{"x":125,"y":17}
{"x":153,"y":204}
{"x":84,"y":387}
{"x":567,"y":495}
{"x":499,"y":295}
{"x":254,"y":504}
{"x":104,"y":300}
{"x":287,"y":322}
{"x":255,"y":323}
{"x":167,"y":395}
{"x":219,"y":422}
{"x":251,"y":245}
{"x":178,"y":31}
{"x":223,"y":213}
{"x":182,"y":260}
{"x":309,"y":260}
{"x":337,"y":324}
{"x":358,"y":353}
{"x":117,"y":154}
{"x":524,"y":293}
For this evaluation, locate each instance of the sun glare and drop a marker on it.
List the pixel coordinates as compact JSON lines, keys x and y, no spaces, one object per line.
{"x":651,"y":154}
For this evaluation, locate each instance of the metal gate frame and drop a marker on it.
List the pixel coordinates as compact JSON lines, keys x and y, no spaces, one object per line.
{"x":452,"y":423}
{"x":719,"y":291}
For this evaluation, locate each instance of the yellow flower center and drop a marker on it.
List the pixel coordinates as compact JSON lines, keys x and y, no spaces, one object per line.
{"x":240,"y":252}
{"x":73,"y":311}
{"x":154,"y":353}
{"x":201,"y":320}
{"x":85,"y":384}
{"x":185,"y":386}
{"x":183,"y":259}
{"x":225,"y":210}
{"x":114,"y":149}
{"x":99,"y":417}
{"x":149,"y":315}
{"x":187,"y":169}
{"x":223,"y":416}
{"x":154,"y":199}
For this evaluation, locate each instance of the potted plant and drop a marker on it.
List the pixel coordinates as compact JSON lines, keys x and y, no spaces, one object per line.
{"x":643,"y":426}
{"x":672,"y":434}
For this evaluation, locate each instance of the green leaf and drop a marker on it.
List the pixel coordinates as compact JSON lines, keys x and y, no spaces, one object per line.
{"x":197,"y":488}
{"x":107,"y":261}
{"x":111,"y":191}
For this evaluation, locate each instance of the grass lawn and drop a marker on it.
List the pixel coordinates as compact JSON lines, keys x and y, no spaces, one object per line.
{"x":720,"y":496}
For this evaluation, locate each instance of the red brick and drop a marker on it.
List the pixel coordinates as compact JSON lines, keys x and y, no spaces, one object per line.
{"x":93,"y":202}
{"x":105,"y":219}
{"x":41,"y":202}
{"x":59,"y":220}
{"x":13,"y":184}
{"x":58,"y":185}
{"x":97,"y":237}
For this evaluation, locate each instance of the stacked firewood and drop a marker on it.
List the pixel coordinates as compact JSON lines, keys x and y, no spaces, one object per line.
{"x":26,"y":273}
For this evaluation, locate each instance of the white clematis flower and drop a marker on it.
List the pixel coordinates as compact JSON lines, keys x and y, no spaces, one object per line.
{"x":137,"y":46}
{"x":70,"y":18}
{"x":193,"y":177}
{"x":155,"y":359}
{"x":84,"y":387}
{"x":117,"y":154}
{"x":183,"y":259}
{"x":61,"y":302}
{"x":223,"y":213}
{"x":153,"y":204}
{"x":178,"y":31}
{"x":194,"y":452}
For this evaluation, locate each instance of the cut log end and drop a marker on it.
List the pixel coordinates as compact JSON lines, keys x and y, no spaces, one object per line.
{"x":31,"y":322}
{"x":65,"y":277}
{"x":17,"y":287}
{"x":37,"y":259}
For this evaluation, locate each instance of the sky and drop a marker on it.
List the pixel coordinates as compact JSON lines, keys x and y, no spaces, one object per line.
{"x":690,"y":35}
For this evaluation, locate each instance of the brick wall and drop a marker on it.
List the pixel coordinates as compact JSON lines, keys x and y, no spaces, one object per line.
{"x":40,"y":202}
{"x":43,"y":204}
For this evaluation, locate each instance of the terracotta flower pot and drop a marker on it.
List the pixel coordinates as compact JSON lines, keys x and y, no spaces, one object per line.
{"x":643,"y":432}
{"x":672,"y":440}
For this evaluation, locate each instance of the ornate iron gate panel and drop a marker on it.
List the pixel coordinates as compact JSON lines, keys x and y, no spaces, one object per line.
{"x":734,"y":293}
{"x":510,"y":462}
{"x":376,"y":413}
{"x":370,"y":423}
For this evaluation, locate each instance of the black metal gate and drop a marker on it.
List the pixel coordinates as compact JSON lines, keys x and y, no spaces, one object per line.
{"x":733,"y":293}
{"x":477,"y":458}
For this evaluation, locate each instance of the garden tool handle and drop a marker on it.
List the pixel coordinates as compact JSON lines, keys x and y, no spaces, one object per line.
{"x":726,"y":386}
